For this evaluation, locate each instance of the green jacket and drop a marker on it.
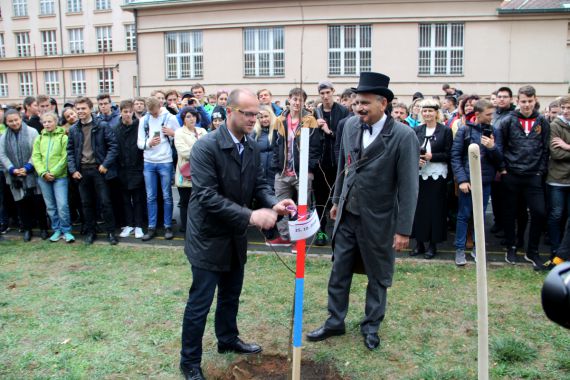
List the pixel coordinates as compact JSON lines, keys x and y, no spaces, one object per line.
{"x":559,"y":163}
{"x":50,"y":153}
{"x":2,"y":129}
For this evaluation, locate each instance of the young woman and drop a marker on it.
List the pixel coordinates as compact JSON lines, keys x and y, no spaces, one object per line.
{"x":69,"y":117}
{"x":430,"y":220}
{"x":184,"y":140}
{"x":263,"y":133}
{"x":414,"y":111}
{"x":16,"y":157}
{"x":217,"y":120}
{"x":49,"y":157}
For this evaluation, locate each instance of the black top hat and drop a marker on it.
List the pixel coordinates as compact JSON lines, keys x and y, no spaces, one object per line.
{"x":375,"y":83}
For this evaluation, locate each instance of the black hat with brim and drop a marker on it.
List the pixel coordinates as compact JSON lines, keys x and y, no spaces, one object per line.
{"x":374,"y":83}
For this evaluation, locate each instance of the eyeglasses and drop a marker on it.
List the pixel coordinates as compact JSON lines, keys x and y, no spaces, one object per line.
{"x":245,"y":113}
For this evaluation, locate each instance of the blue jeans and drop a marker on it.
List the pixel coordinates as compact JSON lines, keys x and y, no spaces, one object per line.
{"x":55,"y":198}
{"x":559,"y":200}
{"x":164,"y":173}
{"x":464,"y":212}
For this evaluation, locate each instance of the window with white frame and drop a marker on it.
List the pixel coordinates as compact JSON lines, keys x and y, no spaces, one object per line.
{"x":264,"y":55}
{"x":78,"y":84}
{"x":131,"y":37}
{"x":441,"y":49}
{"x":104,"y":40}
{"x":49,"y":42}
{"x":47,"y":7}
{"x":3,"y":85}
{"x":26,"y":84}
{"x":184,"y":55}
{"x":102,"y":4}
{"x":106,"y":82}
{"x":74,"y":6}
{"x":51,"y":81}
{"x":350,"y":49}
{"x":2,"y":46}
{"x":23,"y":46}
{"x":76,"y":45}
{"x":20,"y":8}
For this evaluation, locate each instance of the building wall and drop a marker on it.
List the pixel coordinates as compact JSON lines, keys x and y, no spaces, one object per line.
{"x":122,"y":61}
{"x":498,"y":50}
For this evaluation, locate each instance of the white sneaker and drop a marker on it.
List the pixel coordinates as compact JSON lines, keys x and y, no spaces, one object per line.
{"x":126,"y":231}
{"x":139,"y":233}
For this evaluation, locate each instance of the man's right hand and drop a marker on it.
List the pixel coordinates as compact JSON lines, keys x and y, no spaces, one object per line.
{"x":465,"y":187}
{"x":76,"y":175}
{"x":334,"y":210}
{"x":154,"y":141}
{"x":263,"y":218}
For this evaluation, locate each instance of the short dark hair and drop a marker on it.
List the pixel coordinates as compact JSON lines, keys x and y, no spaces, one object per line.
{"x":445,"y":86}
{"x":128,"y":103}
{"x":564,"y":100}
{"x":42,"y":98}
{"x":527,"y":90}
{"x":28,"y":101}
{"x":347,"y":93}
{"x":482,"y":105}
{"x":505,"y":89}
{"x":189,"y":109}
{"x":171,"y":92}
{"x":197,"y":85}
{"x":103,"y":96}
{"x":452,"y":99}
{"x":263,"y":89}
{"x":297,"y":91}
{"x":83,"y":99}
{"x":468,"y":99}
{"x":555,"y":103}
{"x":9,"y":112}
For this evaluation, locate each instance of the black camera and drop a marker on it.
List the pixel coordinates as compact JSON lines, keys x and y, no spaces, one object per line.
{"x":556,"y":295}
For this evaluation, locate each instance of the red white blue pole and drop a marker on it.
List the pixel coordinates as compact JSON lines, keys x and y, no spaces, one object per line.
{"x":300,"y":272}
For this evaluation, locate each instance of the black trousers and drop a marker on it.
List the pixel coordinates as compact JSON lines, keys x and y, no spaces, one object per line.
{"x":531,"y":189}
{"x":322,"y":185}
{"x":564,"y":247}
{"x":92,"y":187}
{"x":115,"y":193}
{"x":184,"y":193}
{"x":201,"y":295}
{"x":134,"y":205}
{"x":32,"y":210}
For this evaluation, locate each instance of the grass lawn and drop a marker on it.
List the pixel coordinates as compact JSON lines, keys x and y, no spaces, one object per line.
{"x":74,"y":312}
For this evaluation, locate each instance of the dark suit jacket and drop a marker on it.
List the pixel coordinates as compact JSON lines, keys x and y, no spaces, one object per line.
{"x":388,"y":180}
{"x":223,"y":189}
{"x":441,"y":142}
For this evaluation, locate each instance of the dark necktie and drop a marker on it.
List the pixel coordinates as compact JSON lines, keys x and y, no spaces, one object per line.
{"x":240,"y":149}
{"x":366,"y":127}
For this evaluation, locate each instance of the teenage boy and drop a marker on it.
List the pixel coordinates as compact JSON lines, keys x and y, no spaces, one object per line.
{"x":525,"y":158}
{"x":91,"y":160}
{"x":476,"y":131}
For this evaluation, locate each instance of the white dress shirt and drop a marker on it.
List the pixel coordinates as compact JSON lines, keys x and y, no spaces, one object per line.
{"x":368,"y":138}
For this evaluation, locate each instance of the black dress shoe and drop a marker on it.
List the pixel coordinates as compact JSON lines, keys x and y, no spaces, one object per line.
{"x":419,"y":249}
{"x":27,"y":235}
{"x":44,"y":234}
{"x":323,"y":333}
{"x":371,"y":341}
{"x":239,"y":347}
{"x":112,"y":239}
{"x":90,"y":238}
{"x":431,"y":252}
{"x":194,"y":373}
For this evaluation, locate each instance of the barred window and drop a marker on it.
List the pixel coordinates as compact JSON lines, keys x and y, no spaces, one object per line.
{"x":106,"y":82}
{"x":104,"y":40}
{"x":3,"y":85}
{"x":102,"y":4}
{"x":2,"y":46}
{"x":20,"y":8}
{"x":51,"y":80}
{"x":78,"y":84}
{"x":47,"y":7}
{"x":74,"y":6}
{"x":350,"y":49}
{"x":441,"y":49}
{"x":23,"y":46}
{"x":184,"y":55}
{"x":131,"y":37}
{"x":26,"y":84}
{"x":76,"y":45}
{"x":264,"y":55}
{"x":49,"y":42}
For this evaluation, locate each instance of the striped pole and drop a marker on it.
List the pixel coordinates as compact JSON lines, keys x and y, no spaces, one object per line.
{"x":300,"y":273}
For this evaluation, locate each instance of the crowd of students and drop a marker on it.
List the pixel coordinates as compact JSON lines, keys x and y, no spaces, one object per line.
{"x":118,"y":164}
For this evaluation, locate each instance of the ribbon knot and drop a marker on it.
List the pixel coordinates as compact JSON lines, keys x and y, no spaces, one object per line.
{"x":366,"y":127}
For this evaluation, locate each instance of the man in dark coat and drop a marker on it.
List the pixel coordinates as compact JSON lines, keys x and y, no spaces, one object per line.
{"x":373,"y":206}
{"x":226,"y":178}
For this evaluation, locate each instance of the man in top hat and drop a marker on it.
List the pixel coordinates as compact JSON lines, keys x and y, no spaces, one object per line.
{"x":373,"y":206}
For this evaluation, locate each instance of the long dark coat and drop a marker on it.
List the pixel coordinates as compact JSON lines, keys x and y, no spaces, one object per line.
{"x":223,"y":189}
{"x":388,"y":173}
